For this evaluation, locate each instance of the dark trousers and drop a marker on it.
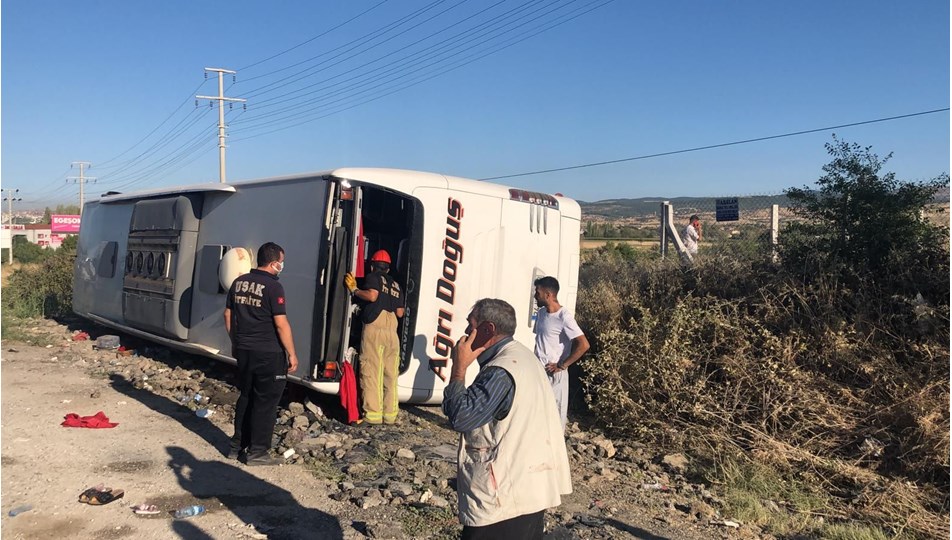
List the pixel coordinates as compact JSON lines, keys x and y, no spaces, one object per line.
{"x":261,"y":380}
{"x":525,"y":527}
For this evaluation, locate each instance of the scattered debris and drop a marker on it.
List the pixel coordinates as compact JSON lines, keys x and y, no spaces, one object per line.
{"x":145,"y":509}
{"x":20,"y":509}
{"x":414,"y":465}
{"x":107,"y":342}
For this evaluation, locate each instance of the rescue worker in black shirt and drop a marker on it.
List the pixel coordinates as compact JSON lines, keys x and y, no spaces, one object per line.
{"x":256,"y":319}
{"x":379,"y":345}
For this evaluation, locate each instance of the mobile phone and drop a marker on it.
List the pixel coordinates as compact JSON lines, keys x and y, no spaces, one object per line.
{"x":484,"y":332}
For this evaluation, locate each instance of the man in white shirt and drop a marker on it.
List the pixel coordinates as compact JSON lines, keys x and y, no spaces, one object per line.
{"x":559,"y":342}
{"x":692,"y":235}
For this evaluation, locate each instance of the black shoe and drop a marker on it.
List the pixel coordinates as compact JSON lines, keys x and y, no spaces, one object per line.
{"x":233,"y":452}
{"x":264,"y":459}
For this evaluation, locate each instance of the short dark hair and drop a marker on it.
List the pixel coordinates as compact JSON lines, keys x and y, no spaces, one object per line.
{"x":548,"y":283}
{"x":694,"y":217}
{"x":269,"y":253}
{"x":498,"y":312}
{"x":378,"y":266}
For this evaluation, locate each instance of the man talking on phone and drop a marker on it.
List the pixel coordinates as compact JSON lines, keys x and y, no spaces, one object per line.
{"x":512,"y":461}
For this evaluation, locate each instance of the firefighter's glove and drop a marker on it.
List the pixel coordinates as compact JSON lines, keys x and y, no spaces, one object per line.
{"x":350,"y":282}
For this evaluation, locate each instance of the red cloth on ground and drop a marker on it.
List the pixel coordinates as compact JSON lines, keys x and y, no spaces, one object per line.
{"x":348,"y":393}
{"x":98,"y":420}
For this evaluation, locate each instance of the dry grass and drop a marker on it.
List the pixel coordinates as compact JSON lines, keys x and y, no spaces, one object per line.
{"x":845,"y":392}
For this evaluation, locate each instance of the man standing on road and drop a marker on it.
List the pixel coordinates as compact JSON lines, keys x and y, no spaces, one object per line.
{"x":692,"y":235}
{"x":555,"y":329}
{"x":512,"y":462}
{"x":256,"y":319}
{"x":379,"y":344}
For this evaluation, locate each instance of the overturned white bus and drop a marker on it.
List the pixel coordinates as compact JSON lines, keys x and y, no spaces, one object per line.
{"x":157,"y":264}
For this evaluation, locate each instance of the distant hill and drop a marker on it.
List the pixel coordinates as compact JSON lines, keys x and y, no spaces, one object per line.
{"x":649,"y":206}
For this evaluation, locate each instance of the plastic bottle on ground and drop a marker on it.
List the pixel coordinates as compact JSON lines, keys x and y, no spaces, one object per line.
{"x":189,"y":511}
{"x":20,"y":509}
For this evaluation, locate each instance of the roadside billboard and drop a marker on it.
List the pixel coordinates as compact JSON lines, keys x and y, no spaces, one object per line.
{"x":64,"y":224}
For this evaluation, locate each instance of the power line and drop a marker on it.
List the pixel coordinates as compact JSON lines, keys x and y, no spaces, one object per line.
{"x":162,"y":123}
{"x":195,"y":115}
{"x":721,"y":145}
{"x":53,"y":186}
{"x":362,"y":40}
{"x":195,"y":145}
{"x":320,"y":114}
{"x":322,"y":34}
{"x":401,"y":63}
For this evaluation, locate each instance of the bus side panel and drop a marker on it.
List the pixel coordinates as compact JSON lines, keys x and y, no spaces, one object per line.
{"x":101,"y":252}
{"x":461,"y":232}
{"x":532,"y":247}
{"x":569,"y":254}
{"x":289,"y":213}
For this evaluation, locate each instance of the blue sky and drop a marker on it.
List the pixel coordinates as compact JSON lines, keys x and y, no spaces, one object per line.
{"x":87,"y":81}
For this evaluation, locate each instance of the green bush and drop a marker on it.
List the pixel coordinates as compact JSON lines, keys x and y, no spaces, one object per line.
{"x":27,"y":252}
{"x":44,"y":289}
{"x":864,"y":227}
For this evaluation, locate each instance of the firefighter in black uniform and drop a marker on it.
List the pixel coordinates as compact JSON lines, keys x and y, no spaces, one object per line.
{"x":379,"y":345}
{"x":256,"y":319}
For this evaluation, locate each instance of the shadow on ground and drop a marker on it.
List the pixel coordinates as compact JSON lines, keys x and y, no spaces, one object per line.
{"x":208,"y":431}
{"x":272,"y":510}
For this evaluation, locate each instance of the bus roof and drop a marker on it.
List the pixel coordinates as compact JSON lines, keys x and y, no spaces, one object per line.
{"x":402,"y":180}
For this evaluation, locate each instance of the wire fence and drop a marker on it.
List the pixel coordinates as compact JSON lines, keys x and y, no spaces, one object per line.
{"x":741,"y":226}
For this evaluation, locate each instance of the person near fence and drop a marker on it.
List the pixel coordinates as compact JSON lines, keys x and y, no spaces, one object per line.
{"x":559,"y":342}
{"x":692,"y":234}
{"x":512,"y":462}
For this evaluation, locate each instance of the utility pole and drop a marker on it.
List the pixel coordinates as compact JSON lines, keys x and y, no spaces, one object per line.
{"x":81,"y":179}
{"x":221,"y":116}
{"x":11,"y":198}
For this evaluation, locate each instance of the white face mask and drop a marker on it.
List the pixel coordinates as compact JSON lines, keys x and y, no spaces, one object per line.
{"x":279,"y":267}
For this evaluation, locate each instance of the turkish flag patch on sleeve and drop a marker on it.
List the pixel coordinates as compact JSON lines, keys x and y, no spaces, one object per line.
{"x":280,"y":300}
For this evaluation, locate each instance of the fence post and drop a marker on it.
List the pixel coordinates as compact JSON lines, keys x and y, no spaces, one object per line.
{"x":774,"y":229}
{"x":664,"y":229}
{"x":669,"y":229}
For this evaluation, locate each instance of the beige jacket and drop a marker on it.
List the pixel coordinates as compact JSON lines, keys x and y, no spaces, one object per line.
{"x":518,"y":465}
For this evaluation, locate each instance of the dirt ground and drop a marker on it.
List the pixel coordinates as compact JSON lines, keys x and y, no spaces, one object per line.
{"x":161,"y":453}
